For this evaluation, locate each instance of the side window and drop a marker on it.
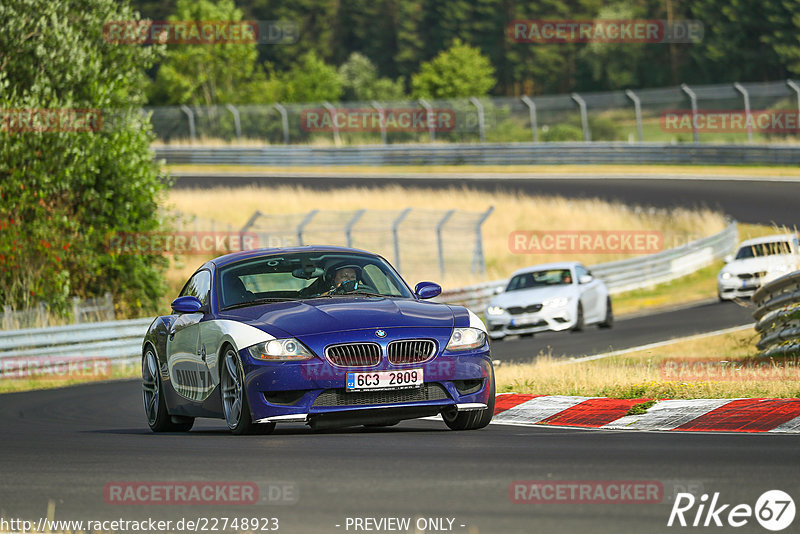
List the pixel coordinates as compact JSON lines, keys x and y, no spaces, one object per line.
{"x":198,"y":286}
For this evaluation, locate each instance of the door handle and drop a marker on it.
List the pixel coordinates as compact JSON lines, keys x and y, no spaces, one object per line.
{"x":171,"y":335}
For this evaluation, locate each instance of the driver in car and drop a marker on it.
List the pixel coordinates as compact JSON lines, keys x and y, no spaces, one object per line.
{"x":342,"y":274}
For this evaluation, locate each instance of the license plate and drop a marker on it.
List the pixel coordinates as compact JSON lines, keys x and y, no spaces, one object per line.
{"x":400,"y":379}
{"x":524,"y":320}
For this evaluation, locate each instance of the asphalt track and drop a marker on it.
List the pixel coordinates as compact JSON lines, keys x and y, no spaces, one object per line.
{"x":66,"y":445}
{"x":756,"y":200}
{"x":626,"y":333}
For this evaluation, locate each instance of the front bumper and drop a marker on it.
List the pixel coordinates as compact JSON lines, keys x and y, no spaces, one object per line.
{"x":733,"y":288}
{"x":314,"y":392}
{"x":555,"y":319}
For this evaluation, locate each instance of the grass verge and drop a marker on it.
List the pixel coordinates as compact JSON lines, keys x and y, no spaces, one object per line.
{"x":719,"y":366}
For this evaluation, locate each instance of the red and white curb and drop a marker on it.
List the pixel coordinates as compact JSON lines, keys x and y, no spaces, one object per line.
{"x":696,"y":415}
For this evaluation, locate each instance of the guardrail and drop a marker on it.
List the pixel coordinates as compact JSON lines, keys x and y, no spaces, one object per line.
{"x":485,"y":154}
{"x":778,"y":315}
{"x":39,"y":350}
{"x":120,"y":342}
{"x":623,"y":275}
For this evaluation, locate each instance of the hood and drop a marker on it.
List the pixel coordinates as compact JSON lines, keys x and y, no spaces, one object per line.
{"x":534,"y":295}
{"x":318,"y":316}
{"x":754,"y":265}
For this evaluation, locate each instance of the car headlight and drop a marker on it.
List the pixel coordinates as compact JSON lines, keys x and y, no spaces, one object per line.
{"x":725,"y":275}
{"x":556,"y":302}
{"x":494,"y":310}
{"x":280,"y":350}
{"x":466,"y":338}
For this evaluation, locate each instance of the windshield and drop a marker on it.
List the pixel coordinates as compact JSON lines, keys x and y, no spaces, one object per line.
{"x":297,"y":276}
{"x":773,"y":248}
{"x":550,"y":277}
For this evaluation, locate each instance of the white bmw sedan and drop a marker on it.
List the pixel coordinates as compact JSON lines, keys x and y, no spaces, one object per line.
{"x":552,"y":296}
{"x":757,"y":261}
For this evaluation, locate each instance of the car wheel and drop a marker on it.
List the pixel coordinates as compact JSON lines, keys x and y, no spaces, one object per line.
{"x":155,"y":408}
{"x":234,"y":398}
{"x":471,"y":420}
{"x":579,"y":320}
{"x":608,"y":322}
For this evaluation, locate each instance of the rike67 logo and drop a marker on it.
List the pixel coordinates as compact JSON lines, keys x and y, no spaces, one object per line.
{"x":774,"y":510}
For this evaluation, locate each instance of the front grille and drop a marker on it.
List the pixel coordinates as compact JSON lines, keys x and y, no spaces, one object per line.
{"x":354,"y":354}
{"x":411,"y":350}
{"x":748,"y":276}
{"x":430,"y":391}
{"x":517,"y":310}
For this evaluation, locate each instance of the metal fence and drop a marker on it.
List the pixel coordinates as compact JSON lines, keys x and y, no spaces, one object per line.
{"x":410,"y":238}
{"x":623,"y":275}
{"x":778,"y":316}
{"x":631,"y":116}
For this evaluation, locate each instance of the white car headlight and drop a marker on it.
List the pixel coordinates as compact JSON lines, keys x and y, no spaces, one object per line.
{"x":556,"y":302}
{"x":280,"y":350}
{"x":725,"y":275}
{"x":466,"y":338}
{"x":494,"y":310}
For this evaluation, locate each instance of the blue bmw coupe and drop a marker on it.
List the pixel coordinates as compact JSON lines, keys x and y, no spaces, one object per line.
{"x":328,"y":336}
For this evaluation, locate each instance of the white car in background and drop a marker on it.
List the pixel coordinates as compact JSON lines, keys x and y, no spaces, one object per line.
{"x":551,"y":296}
{"x":757,"y":261}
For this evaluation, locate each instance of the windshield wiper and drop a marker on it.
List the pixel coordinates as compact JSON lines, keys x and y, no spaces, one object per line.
{"x":257,"y":301}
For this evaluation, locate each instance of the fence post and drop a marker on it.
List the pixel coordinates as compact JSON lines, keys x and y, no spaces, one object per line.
{"x":746,"y":97}
{"x":237,"y":124}
{"x":587,"y":135}
{"x":693,"y":99}
{"x":349,"y":228}
{"x":532,"y":112}
{"x":190,"y":115}
{"x":796,"y":89}
{"x":8,"y":320}
{"x":478,"y":262}
{"x":332,"y":110}
{"x":395,"y":236}
{"x":428,"y":118}
{"x":439,"y":242}
{"x":302,"y":225}
{"x":284,"y":121}
{"x":108,"y":304}
{"x":637,"y":109}
{"x":481,"y":122}
{"x":379,"y":109}
{"x":76,"y":310}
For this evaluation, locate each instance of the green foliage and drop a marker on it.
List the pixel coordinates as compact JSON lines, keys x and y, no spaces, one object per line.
{"x":310,"y":80}
{"x":360,"y":81}
{"x":208,"y":74}
{"x":63,"y":191}
{"x":560,"y":133}
{"x":460,"y":71}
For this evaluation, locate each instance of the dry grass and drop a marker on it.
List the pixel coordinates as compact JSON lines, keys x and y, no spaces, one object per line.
{"x":590,"y":170}
{"x":650,"y":373}
{"x":513,"y":211}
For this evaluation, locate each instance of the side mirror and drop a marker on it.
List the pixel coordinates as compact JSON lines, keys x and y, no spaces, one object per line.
{"x":499,"y":289}
{"x":427,"y":290}
{"x":728,"y":258}
{"x":585,"y":279}
{"x":187,"y":304}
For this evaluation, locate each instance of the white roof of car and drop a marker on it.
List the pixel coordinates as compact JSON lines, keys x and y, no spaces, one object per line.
{"x":768,"y":239}
{"x":546,"y":266}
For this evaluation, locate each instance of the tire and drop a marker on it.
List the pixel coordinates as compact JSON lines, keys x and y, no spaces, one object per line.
{"x":471,"y":420}
{"x":155,"y":407}
{"x":235,"y":405}
{"x":579,"y":322}
{"x":608,"y":322}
